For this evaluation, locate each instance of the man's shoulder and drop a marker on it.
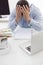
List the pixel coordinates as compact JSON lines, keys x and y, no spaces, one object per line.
{"x":13,"y":11}
{"x":33,"y":7}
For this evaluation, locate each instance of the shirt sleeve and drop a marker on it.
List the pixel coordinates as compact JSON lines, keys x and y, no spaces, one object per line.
{"x":13,"y":25}
{"x":36,"y":18}
{"x":37,"y":25}
{"x":12,"y":22}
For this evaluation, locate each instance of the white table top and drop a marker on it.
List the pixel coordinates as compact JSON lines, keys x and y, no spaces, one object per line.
{"x":19,"y":57}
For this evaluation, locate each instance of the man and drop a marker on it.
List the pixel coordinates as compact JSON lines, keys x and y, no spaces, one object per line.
{"x":25,"y":16}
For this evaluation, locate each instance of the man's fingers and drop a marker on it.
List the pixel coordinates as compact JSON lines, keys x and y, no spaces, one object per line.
{"x":18,"y":7}
{"x":21,"y":9}
{"x":27,"y":7}
{"x":24,"y":7}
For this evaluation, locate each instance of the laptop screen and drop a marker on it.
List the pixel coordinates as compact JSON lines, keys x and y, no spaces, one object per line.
{"x":4,"y":7}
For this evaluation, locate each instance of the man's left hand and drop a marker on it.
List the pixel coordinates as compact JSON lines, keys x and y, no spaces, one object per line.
{"x":26,"y":13}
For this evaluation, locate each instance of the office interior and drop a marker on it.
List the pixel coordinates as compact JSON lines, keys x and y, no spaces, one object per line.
{"x":14,"y":55}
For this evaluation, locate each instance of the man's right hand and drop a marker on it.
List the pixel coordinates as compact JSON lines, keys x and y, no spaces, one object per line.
{"x":18,"y":13}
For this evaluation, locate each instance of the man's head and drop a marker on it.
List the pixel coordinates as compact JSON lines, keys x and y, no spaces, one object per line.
{"x":22,"y":10}
{"x":23,"y":2}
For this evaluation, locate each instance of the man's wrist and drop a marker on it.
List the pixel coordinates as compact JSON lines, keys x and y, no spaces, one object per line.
{"x":29,"y":20}
{"x":17,"y":20}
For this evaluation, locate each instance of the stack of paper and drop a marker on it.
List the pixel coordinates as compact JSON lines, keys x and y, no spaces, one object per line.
{"x":5,"y":32}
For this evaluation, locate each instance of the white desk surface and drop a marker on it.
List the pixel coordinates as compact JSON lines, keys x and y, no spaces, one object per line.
{"x":19,"y":57}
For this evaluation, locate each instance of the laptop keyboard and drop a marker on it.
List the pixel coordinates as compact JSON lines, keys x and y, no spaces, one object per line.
{"x":28,"y":48}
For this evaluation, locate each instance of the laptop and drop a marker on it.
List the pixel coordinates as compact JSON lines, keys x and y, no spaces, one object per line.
{"x":35,"y":44}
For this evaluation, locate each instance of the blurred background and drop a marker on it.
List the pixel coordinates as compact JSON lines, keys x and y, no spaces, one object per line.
{"x":38,"y":3}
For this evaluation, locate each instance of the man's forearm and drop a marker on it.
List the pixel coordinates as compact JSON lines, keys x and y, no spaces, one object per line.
{"x":36,"y":25}
{"x":13,"y":25}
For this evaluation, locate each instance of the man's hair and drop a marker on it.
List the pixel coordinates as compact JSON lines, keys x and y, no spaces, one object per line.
{"x":23,"y":2}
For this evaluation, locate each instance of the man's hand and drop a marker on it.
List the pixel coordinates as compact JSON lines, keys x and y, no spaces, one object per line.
{"x":26,"y":13}
{"x":18,"y":13}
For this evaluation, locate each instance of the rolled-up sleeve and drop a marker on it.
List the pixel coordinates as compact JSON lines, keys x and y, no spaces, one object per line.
{"x":12,"y":25}
{"x":12,"y":22}
{"x":36,"y":18}
{"x":37,"y":25}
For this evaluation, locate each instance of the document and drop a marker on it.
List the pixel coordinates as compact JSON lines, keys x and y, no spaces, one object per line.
{"x":22,"y":33}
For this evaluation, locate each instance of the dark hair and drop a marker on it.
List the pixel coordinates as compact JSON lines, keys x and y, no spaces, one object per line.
{"x":23,"y":2}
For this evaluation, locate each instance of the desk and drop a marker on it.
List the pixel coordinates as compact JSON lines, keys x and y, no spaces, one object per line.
{"x":19,"y":57}
{"x":3,"y":25}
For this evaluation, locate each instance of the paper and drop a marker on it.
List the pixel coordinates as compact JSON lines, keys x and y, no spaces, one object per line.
{"x":5,"y":32}
{"x":22,"y":33}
